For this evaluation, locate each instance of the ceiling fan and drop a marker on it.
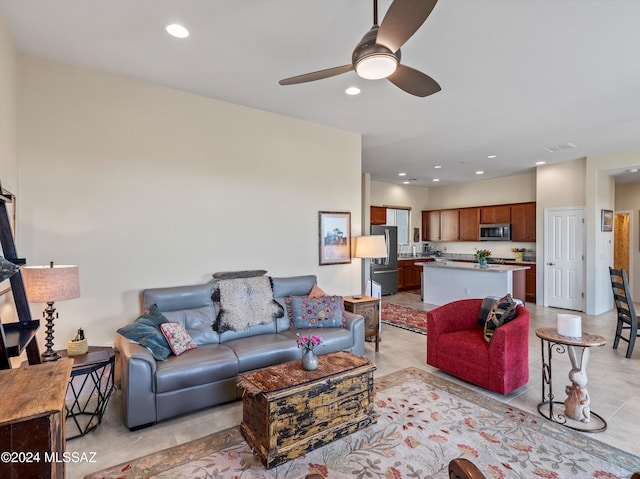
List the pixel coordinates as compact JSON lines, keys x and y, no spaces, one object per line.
{"x":377,"y":55}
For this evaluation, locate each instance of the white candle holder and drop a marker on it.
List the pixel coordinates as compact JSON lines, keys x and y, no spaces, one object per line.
{"x":570,"y":325}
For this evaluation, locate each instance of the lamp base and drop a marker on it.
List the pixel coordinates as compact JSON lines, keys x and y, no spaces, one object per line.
{"x":49,"y":356}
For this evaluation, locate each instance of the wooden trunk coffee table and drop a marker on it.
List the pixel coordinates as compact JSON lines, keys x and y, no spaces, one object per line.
{"x":287,"y":411}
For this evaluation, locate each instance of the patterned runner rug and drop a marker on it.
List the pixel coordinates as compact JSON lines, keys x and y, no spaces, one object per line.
{"x":424,"y":422}
{"x":403,"y":317}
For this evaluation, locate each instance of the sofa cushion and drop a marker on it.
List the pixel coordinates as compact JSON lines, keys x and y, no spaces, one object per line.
{"x":503,"y":311}
{"x":322,"y":312}
{"x":293,"y":286}
{"x":146,"y":331}
{"x":177,"y":337}
{"x":245,"y":302}
{"x":198,"y":322}
{"x":207,"y":364}
{"x":333,"y":339}
{"x":263,"y":350}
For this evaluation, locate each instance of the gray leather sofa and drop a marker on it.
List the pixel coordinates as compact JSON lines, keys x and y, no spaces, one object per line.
{"x":156,"y":390}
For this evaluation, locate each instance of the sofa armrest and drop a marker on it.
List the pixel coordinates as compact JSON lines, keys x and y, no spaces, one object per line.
{"x":137,"y":376}
{"x":355,"y":323}
{"x":509,"y":347}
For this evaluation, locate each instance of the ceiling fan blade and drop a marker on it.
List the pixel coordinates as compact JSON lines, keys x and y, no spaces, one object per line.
{"x":402,"y":20}
{"x":319,"y":75}
{"x":413,"y":81}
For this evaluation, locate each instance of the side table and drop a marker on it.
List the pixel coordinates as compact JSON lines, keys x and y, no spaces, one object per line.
{"x":91,"y":385}
{"x":551,"y":341}
{"x":369,"y":308}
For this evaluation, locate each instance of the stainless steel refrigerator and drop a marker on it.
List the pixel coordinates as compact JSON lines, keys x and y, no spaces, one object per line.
{"x":384,"y":271}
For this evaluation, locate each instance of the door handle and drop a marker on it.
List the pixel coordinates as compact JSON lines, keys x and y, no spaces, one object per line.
{"x":551,"y":264}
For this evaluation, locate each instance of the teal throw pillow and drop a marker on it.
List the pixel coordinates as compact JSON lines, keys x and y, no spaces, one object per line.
{"x":321,"y":312}
{"x":146,"y":331}
{"x":7,"y":269}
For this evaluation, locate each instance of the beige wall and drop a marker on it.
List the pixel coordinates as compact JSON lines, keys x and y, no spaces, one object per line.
{"x":8,"y":137}
{"x":8,"y":106}
{"x":144,"y":186}
{"x":512,"y":189}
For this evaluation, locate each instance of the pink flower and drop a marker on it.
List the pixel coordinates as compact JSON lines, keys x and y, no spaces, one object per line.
{"x":308,"y":343}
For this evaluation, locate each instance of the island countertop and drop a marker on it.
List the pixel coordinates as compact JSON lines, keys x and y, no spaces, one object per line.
{"x":490,"y":268}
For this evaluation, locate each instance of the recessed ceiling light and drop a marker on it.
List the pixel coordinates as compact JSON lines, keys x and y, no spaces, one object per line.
{"x":406,"y":182}
{"x":402,"y":174}
{"x":352,"y":90}
{"x":540,"y":162}
{"x":492,"y":156}
{"x":437,"y":166}
{"x":479,"y":172}
{"x":633,"y":170}
{"x":436,"y":179}
{"x":177,"y":30}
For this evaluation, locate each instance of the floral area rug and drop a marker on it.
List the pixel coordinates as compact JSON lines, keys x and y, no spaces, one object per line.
{"x":403,"y":317}
{"x":424,"y":422}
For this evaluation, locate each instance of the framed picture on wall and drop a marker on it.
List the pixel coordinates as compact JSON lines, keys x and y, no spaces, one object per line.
{"x":606,"y":220}
{"x":334,"y":237}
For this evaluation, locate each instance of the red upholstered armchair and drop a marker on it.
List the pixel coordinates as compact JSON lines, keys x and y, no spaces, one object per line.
{"x":456,"y":345}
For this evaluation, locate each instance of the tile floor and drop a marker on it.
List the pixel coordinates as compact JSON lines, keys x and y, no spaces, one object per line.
{"x":614,"y":385}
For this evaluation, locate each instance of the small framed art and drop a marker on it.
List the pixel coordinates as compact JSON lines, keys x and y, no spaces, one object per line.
{"x":334,"y":237}
{"x":606,"y":220}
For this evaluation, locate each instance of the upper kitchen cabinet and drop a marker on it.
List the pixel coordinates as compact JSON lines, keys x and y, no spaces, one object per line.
{"x":523,"y":222}
{"x":469,"y":224}
{"x":378,"y":215}
{"x":495,"y":214}
{"x":440,"y":225}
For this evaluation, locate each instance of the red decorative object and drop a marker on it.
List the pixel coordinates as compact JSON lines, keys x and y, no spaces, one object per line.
{"x":457,"y":346}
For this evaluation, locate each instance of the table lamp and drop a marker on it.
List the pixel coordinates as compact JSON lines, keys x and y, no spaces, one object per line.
{"x":369,"y":247}
{"x":47,"y":284}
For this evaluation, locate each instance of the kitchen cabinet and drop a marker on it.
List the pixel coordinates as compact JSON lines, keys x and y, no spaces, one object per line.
{"x":495,"y":214}
{"x":409,"y":274}
{"x":469,"y":224}
{"x":440,"y":225}
{"x":378,"y":215}
{"x":449,"y":225}
{"x":530,"y":293}
{"x":523,"y":222}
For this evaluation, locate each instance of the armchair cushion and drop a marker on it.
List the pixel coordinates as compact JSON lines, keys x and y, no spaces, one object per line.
{"x":503,"y":311}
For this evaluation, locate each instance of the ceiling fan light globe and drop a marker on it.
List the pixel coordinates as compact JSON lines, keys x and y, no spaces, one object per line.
{"x":376,"y":66}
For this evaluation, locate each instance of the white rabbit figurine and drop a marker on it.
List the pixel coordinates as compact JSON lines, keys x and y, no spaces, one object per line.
{"x":577,"y":402}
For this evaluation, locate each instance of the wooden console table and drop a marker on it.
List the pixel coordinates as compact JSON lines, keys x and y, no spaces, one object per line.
{"x":32,"y":420}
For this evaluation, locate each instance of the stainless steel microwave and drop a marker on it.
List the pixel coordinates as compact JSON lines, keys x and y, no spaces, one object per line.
{"x":495,"y":232}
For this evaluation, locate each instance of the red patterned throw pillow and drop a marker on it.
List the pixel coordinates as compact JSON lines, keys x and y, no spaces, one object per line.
{"x":178,"y":338}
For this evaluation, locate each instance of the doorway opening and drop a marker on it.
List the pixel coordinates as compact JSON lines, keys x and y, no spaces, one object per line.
{"x":622,"y":242}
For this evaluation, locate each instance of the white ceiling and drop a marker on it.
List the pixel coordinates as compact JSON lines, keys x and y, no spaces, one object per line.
{"x":517,"y":76}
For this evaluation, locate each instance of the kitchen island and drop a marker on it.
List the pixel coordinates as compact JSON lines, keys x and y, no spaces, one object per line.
{"x":446,"y":281}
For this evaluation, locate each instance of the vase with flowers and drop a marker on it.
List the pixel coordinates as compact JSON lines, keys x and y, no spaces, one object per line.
{"x":518,"y":253}
{"x":308,"y":344}
{"x":481,"y":255}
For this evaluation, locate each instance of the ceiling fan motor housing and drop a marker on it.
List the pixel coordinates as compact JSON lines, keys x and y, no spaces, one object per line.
{"x":368,"y":50}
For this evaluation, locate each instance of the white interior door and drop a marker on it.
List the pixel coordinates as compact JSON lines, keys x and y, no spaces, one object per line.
{"x":564,"y":258}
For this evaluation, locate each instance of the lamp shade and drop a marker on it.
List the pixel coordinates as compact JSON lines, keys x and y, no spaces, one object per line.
{"x":46,"y":284}
{"x":370,"y":247}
